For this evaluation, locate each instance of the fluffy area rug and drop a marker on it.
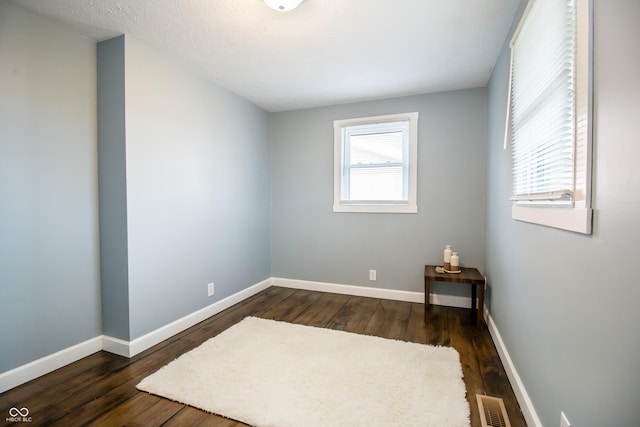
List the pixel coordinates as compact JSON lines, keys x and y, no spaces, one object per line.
{"x":270,"y":373}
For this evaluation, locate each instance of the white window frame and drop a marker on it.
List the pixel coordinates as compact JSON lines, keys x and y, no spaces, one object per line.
{"x":410,"y":161}
{"x":555,"y":211}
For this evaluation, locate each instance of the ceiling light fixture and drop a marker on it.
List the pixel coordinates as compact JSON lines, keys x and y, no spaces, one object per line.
{"x":283,"y":5}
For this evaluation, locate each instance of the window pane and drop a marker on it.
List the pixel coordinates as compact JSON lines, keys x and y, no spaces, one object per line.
{"x":377,"y":183}
{"x":375,"y":163}
{"x":376,"y":148}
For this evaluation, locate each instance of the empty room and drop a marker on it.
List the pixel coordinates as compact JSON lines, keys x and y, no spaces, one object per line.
{"x":319,"y":212}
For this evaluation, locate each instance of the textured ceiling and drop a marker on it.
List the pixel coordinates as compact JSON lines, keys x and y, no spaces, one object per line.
{"x":324,"y":52}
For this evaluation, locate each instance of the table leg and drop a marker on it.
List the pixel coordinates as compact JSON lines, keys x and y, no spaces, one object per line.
{"x":427,"y":303}
{"x":481,"y":306}
{"x":474,"y":294}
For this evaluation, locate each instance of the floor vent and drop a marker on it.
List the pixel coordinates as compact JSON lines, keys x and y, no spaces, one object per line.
{"x":492,"y":411}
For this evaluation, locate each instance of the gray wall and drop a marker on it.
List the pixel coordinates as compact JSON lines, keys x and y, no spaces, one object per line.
{"x":310,"y":242}
{"x":564,"y":303}
{"x":49,"y":269}
{"x":184,"y":189}
{"x":195,"y":164}
{"x":112,"y":191}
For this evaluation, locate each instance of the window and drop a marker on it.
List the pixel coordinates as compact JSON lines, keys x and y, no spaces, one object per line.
{"x":375,"y":164}
{"x":550,"y":115}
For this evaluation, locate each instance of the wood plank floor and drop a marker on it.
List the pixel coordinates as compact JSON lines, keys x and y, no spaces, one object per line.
{"x":99,"y":390}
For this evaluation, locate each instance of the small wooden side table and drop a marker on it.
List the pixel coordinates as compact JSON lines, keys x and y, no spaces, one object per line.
{"x":468,"y":275}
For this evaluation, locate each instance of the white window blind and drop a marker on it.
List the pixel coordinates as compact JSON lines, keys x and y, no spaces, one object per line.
{"x":542,"y":104}
{"x":549,"y":114}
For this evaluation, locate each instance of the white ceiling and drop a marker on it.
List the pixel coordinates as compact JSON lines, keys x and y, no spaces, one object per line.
{"x":322,"y":53}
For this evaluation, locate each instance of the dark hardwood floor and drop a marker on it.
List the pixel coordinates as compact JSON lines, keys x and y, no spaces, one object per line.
{"x":99,"y":390}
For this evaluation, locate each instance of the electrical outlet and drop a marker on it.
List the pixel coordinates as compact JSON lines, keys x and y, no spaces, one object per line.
{"x":372,"y":275}
{"x":564,"y":422}
{"x":210,"y":289}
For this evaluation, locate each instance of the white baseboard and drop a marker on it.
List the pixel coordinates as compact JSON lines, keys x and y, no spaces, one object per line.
{"x":363,"y":291}
{"x":50,"y":363}
{"x":526,"y":405}
{"x":360,"y":291}
{"x":450,"y":300}
{"x":138,"y":345}
{"x":115,"y":346}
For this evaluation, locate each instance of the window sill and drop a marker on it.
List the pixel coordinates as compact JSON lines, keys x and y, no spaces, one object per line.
{"x":375,"y":208}
{"x":572,"y":219}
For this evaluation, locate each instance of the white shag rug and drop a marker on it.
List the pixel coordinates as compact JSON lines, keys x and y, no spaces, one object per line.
{"x":269,"y":373}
